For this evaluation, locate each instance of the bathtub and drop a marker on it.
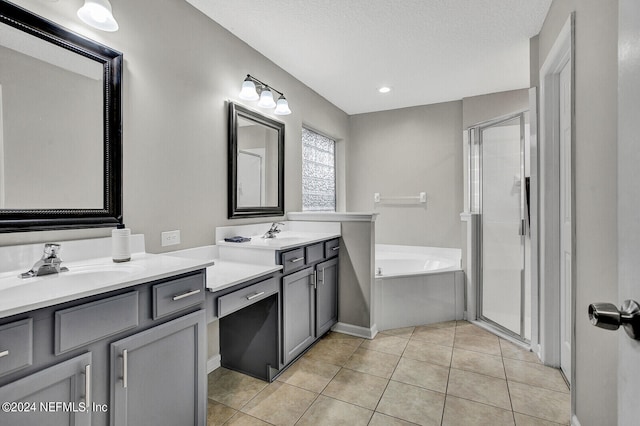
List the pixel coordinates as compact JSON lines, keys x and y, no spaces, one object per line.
{"x":417,"y":286}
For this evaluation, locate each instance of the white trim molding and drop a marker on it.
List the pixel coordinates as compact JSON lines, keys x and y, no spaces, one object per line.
{"x":213,"y":363}
{"x":356,"y":330}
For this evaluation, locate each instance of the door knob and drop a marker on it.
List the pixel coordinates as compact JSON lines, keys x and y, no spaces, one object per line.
{"x":607,"y":316}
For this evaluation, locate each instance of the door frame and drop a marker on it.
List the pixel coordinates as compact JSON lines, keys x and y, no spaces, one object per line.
{"x":549,"y":201}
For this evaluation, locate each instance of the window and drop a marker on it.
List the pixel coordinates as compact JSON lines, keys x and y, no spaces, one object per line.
{"x":318,"y":172}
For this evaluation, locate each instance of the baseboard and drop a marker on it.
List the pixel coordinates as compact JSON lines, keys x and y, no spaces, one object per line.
{"x":574,"y":421}
{"x":356,"y":330}
{"x":213,"y":363}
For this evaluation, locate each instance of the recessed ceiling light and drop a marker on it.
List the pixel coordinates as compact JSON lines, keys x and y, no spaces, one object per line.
{"x":384,"y":89}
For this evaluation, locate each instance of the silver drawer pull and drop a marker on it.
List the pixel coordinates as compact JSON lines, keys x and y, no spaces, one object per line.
{"x":4,"y":353}
{"x":125,"y":379}
{"x":187,"y":294}
{"x":335,"y":248}
{"x":253,"y":296}
{"x":297,"y":259}
{"x":87,"y":384}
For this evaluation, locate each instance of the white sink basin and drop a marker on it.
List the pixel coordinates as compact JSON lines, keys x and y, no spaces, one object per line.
{"x":77,"y":274}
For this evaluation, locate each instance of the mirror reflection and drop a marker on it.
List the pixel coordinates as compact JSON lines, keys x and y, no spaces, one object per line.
{"x":257,"y":164}
{"x":51,"y":125}
{"x":256,"y":174}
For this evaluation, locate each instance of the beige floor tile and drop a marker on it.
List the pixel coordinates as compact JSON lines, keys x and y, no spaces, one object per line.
{"x":423,"y":374}
{"x":242,"y":419}
{"x":429,"y":352}
{"x":542,"y":403}
{"x":388,"y":344}
{"x":330,"y":412}
{"x":280,"y":404}
{"x":400,"y":332}
{"x":309,"y":374}
{"x":472,"y":342}
{"x":412,"y":403}
{"x":372,"y":362}
{"x":478,"y":362}
{"x":463,"y":323}
{"x":332,"y":350}
{"x":522,"y":420}
{"x":233,"y":389}
{"x":439,"y":336}
{"x":444,"y":324}
{"x":344,"y":338}
{"x":356,"y":388}
{"x":380,"y":419}
{"x":218,"y":414}
{"x":535,"y":375}
{"x":474,"y":330}
{"x":462,"y":412}
{"x":509,"y":350}
{"x":479,"y":388}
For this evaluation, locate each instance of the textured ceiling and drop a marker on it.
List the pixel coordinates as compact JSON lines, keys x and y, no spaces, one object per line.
{"x":427,"y":51}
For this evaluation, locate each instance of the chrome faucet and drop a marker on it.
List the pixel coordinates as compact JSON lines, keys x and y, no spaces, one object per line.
{"x":271,"y":233}
{"x":49,"y":264}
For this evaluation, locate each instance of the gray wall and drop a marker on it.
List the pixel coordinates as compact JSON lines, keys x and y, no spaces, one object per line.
{"x":596,"y":32}
{"x":404,"y":152}
{"x":180,"y":69}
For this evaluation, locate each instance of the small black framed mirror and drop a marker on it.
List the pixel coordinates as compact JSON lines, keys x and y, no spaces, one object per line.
{"x":256,"y":164}
{"x":61,"y":127}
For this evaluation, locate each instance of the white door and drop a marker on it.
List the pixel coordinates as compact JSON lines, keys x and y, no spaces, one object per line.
{"x":565,"y":220}
{"x":628,"y":203}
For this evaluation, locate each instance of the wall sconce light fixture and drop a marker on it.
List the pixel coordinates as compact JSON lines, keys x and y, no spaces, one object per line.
{"x":263,"y":92}
{"x":98,"y":14}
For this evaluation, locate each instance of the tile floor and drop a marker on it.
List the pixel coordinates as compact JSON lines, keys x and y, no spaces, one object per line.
{"x":451,"y":373}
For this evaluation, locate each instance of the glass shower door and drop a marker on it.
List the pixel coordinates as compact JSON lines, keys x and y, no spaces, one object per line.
{"x":500,"y":162}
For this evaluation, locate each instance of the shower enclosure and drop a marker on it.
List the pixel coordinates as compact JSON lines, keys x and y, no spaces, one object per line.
{"x":498,"y":192}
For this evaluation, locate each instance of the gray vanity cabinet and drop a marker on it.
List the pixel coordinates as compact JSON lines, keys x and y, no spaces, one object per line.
{"x":32,"y":400}
{"x":326,"y":295}
{"x":158,"y":376}
{"x":298,"y":312}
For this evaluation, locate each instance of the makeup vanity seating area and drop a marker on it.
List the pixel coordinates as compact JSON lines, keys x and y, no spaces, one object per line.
{"x":109,"y":343}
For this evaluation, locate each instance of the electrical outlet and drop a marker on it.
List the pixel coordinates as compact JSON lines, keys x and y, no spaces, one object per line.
{"x":170,"y":238}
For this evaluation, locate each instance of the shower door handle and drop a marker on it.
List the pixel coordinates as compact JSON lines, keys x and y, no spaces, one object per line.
{"x":523,"y":228}
{"x":607,"y":316}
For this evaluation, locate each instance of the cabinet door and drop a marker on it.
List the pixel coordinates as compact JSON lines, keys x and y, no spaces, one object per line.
{"x":56,"y":396}
{"x":298,"y":312}
{"x":158,"y":376}
{"x":326,"y":296}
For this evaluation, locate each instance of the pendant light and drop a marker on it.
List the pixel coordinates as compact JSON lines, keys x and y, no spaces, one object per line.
{"x":266,"y":98}
{"x":248,"y":92}
{"x":98,"y":14}
{"x":282,"y":106}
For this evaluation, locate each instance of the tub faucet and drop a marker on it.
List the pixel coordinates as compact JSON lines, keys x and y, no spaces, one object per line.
{"x":49,"y":264}
{"x":271,"y":233}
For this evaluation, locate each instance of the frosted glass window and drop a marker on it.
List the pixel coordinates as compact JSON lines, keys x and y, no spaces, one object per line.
{"x":318,"y":172}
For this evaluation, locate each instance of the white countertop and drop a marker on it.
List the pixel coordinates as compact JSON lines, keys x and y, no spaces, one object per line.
{"x":88,"y":278}
{"x":283,"y":241}
{"x":225,"y":273}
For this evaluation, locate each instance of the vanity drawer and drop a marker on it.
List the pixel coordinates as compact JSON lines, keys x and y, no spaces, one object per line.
{"x":229,"y":303}
{"x":16,"y":345}
{"x":80,"y":325}
{"x":332,"y":248}
{"x":314,"y":253}
{"x":293,"y":260}
{"x":173,"y":296}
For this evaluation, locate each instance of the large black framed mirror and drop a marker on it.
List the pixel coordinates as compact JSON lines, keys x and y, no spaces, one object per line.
{"x":60,"y":127}
{"x":256,"y":164}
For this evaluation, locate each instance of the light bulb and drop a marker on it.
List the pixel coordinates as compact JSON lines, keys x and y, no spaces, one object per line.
{"x":98,"y":14}
{"x":282,"y":106}
{"x":248,"y":92}
{"x":266,"y":98}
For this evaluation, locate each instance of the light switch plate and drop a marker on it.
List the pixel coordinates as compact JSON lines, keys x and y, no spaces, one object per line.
{"x":170,"y":238}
